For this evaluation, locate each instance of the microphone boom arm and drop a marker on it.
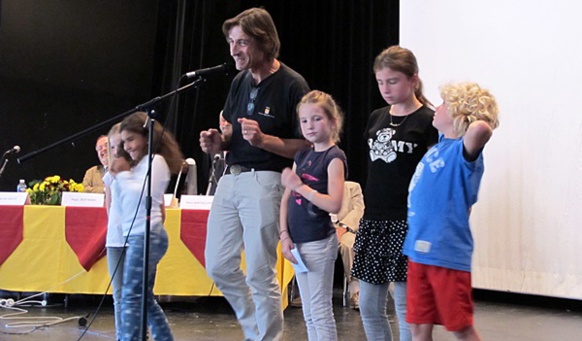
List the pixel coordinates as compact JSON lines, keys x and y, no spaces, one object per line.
{"x":109,"y":122}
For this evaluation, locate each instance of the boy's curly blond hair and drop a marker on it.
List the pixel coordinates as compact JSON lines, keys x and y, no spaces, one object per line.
{"x":467,"y":103}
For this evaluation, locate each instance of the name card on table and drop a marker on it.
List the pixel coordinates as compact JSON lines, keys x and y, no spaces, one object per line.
{"x":196,"y":202}
{"x":80,"y":199}
{"x":13,"y":198}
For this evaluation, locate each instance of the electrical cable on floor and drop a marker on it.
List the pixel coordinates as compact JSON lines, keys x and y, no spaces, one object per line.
{"x":30,"y":323}
{"x":34,"y":322}
{"x":27,"y":300}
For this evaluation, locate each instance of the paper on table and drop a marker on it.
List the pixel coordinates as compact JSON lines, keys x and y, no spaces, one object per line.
{"x":300,"y":266}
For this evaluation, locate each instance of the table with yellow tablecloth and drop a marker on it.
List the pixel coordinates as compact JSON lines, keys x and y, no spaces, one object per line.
{"x":48,"y":260}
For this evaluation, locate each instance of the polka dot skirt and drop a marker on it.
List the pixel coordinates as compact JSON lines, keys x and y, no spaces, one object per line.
{"x":378,"y":250}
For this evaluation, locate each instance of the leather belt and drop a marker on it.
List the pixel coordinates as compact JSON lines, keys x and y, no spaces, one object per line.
{"x":237,"y":169}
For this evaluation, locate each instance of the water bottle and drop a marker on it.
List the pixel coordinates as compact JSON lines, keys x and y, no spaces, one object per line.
{"x":21,"y":186}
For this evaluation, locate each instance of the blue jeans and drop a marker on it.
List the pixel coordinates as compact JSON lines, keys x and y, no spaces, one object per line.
{"x":316,"y":287}
{"x":132,"y":289}
{"x":373,"y":303}
{"x":115,"y":260}
{"x":245,"y":214}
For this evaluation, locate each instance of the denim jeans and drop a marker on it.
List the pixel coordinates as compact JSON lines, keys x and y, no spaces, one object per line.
{"x":132,"y":288}
{"x":316,"y":287}
{"x":115,"y":262}
{"x":245,"y":214}
{"x":373,"y":303}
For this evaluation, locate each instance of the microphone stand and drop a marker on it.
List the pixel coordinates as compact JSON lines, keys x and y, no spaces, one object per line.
{"x":3,"y":166}
{"x":147,"y":107}
{"x":109,"y":122}
{"x":146,"y":239}
{"x":212,"y":178}
{"x":5,"y":161}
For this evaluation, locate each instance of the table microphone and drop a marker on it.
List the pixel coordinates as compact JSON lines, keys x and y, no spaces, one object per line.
{"x":15,"y":150}
{"x":190,"y":162}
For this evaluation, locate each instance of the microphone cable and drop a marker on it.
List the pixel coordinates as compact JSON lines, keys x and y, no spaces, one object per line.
{"x":34,"y":323}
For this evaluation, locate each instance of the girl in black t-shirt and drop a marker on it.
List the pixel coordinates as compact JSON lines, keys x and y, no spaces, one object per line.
{"x":313,"y":189}
{"x":397,"y":137}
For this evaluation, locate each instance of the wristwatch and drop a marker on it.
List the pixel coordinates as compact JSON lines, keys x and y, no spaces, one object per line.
{"x":344,"y":226}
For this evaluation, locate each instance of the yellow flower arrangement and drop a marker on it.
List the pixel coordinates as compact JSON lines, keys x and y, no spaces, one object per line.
{"x":49,"y":191}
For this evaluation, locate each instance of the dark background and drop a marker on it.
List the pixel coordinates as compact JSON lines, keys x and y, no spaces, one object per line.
{"x":68,"y":65}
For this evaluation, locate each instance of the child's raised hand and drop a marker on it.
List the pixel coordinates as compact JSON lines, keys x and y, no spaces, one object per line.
{"x":290,"y":180}
{"x":119,"y":164}
{"x":210,"y":141}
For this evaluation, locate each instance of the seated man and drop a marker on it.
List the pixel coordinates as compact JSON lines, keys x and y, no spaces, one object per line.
{"x":93,"y":180}
{"x":347,"y":222}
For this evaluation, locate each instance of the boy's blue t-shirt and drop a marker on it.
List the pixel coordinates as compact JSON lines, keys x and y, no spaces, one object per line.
{"x":442,"y":190}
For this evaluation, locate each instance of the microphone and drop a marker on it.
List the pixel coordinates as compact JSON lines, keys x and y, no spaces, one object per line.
{"x":222,"y":68}
{"x":191,"y":182}
{"x":15,"y":150}
{"x":190,"y":162}
{"x":178,"y":180}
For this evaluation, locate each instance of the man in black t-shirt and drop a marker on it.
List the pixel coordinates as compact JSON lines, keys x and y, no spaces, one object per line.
{"x":263,"y":140}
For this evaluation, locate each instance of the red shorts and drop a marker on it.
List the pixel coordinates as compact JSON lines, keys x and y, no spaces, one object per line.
{"x":437,"y":295}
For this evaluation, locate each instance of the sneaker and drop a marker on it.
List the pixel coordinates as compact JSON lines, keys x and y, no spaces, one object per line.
{"x":296,"y":302}
{"x":355,"y":301}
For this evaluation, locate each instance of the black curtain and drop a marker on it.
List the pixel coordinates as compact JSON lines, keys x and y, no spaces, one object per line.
{"x":331,"y":43}
{"x":65,"y":66}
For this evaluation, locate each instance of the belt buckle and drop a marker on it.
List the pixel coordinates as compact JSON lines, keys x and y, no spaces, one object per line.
{"x":235,"y":169}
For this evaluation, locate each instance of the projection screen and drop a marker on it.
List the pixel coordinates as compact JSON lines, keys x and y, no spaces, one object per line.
{"x":527,"y":224}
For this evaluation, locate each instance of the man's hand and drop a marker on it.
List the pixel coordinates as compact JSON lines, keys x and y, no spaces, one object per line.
{"x":210,"y":141}
{"x":340,"y":231}
{"x":251,"y":131}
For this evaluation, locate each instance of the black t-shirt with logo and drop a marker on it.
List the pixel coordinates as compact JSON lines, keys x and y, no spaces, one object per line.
{"x":394,"y":150}
{"x":274,"y":103}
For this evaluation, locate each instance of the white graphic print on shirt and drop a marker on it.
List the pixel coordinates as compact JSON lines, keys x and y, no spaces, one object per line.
{"x":385,"y":148}
{"x":382,"y":148}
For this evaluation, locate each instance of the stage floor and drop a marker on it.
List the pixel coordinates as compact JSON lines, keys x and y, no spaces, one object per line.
{"x":210,"y":319}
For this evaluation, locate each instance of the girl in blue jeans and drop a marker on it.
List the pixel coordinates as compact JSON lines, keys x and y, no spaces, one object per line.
{"x":129,"y":184}
{"x":115,"y":242}
{"x":314,"y":188}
